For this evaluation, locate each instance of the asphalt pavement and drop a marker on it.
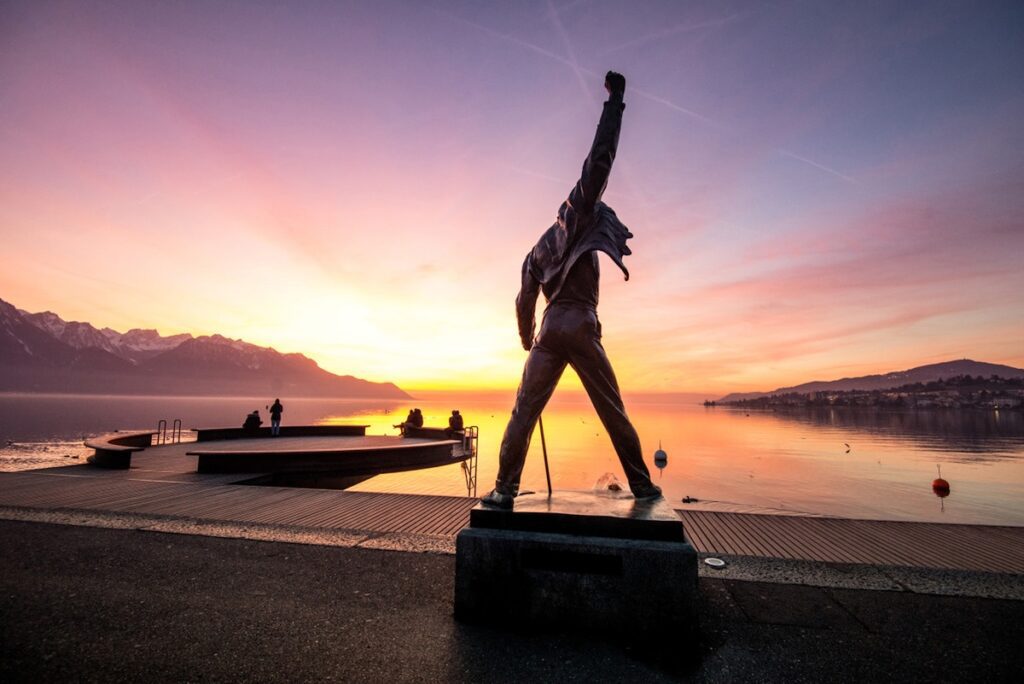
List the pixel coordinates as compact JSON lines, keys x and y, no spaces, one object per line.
{"x":89,"y":604}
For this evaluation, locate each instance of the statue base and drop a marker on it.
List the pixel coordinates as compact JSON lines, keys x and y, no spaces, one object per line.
{"x":582,"y":560}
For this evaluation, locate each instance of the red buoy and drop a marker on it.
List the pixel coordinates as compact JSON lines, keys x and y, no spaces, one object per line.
{"x":940,"y":486}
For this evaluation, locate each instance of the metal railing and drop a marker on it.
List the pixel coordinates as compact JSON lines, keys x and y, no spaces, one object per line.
{"x":471,"y":444}
{"x":162,"y":437}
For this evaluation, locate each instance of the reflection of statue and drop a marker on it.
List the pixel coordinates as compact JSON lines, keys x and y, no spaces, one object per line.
{"x":564,"y":265}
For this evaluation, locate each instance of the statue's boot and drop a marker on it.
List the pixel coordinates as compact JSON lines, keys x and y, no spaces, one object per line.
{"x":498,"y":500}
{"x":646,"y":492}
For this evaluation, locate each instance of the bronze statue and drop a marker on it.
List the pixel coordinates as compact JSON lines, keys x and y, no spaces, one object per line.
{"x":564,"y":265}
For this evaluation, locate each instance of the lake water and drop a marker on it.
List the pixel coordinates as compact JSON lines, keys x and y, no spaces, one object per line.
{"x":725,"y":458}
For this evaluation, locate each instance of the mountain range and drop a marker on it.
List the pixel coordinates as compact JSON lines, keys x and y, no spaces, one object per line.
{"x":41,"y":352}
{"x":922,"y":374}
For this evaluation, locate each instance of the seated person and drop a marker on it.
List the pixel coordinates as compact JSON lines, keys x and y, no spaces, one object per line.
{"x":409,"y":420}
{"x":251,"y":426}
{"x":456,"y":426}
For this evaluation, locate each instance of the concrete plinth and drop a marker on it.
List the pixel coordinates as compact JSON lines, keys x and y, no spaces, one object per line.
{"x":578,"y":560}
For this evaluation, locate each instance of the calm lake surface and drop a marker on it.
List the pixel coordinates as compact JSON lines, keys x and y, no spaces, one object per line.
{"x":728,"y":459}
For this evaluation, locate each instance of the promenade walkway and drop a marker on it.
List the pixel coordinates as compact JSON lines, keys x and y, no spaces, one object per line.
{"x":104,"y":605}
{"x":162,"y":486}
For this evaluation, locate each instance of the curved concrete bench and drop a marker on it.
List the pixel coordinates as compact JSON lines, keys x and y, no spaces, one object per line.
{"x":115,"y":449}
{"x":219,"y":433}
{"x":354,"y":456}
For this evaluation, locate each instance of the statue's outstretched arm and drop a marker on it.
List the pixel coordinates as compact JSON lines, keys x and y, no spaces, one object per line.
{"x":598,"y":164}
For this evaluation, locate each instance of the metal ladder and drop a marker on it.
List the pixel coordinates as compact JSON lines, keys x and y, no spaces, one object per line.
{"x":161,"y":432}
{"x":471,"y":443}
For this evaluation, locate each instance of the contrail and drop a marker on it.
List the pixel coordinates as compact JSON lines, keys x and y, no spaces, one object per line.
{"x":682,"y":110}
{"x":570,"y":5}
{"x":504,"y":36}
{"x":535,"y":174}
{"x":675,"y":30}
{"x":573,"y":62}
{"x":816,"y":165}
{"x":580,"y":71}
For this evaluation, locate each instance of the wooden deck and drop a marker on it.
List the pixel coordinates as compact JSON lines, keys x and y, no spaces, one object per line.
{"x":163,"y":482}
{"x":985,"y":548}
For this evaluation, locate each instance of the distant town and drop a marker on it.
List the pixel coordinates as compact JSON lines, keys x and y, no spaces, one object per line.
{"x":958,"y":392}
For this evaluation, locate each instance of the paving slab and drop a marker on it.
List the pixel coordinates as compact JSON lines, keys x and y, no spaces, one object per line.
{"x":118,"y":605}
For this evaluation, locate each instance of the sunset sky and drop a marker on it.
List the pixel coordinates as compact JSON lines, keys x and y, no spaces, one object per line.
{"x":817,"y":189}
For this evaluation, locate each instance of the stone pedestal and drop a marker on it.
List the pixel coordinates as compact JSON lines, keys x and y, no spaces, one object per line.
{"x":580,"y":560}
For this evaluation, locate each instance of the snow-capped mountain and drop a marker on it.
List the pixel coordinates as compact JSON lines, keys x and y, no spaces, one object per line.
{"x":43,"y":352}
{"x":140,"y":344}
{"x":73,"y":333}
{"x":23,"y":342}
{"x":135,"y":346}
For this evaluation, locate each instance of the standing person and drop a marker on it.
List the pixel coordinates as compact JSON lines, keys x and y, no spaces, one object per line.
{"x":276,"y":409}
{"x":564,"y":265}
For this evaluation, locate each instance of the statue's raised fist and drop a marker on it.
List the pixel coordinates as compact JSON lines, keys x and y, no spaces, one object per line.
{"x":615,"y":82}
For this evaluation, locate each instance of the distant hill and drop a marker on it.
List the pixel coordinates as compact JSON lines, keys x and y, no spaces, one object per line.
{"x":41,"y":352}
{"x":922,"y":374}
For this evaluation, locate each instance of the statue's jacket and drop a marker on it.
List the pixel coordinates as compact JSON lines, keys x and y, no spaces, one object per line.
{"x":585,"y":224}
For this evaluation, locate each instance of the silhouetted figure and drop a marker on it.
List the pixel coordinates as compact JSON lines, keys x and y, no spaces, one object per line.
{"x":564,"y":265}
{"x":414,"y":420}
{"x":251,"y":426}
{"x":276,"y":409}
{"x":456,"y":426}
{"x":405,"y":423}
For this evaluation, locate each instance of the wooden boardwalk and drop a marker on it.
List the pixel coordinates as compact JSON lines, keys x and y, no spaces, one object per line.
{"x":163,"y":482}
{"x":986,"y":548}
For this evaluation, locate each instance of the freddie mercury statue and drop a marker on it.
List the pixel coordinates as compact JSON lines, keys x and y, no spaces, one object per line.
{"x":564,"y":265}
